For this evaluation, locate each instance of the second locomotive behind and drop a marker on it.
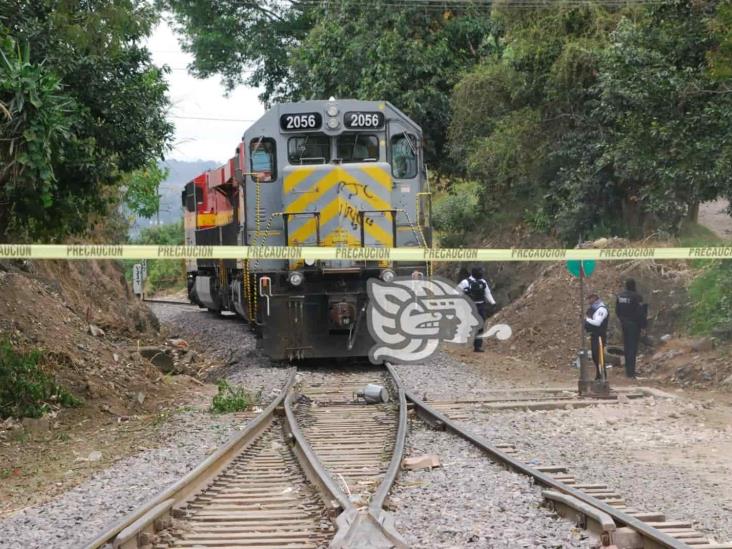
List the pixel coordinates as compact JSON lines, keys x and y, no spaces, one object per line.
{"x":340,"y":173}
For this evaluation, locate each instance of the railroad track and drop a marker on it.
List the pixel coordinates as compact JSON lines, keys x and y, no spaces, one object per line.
{"x":595,"y":507}
{"x":169,"y":302}
{"x":268,"y":488}
{"x":314,"y":469}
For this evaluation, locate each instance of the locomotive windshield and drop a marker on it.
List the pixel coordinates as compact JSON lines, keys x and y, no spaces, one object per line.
{"x":358,"y":147}
{"x":309,"y":149}
{"x":403,"y":156}
{"x":262,"y":159}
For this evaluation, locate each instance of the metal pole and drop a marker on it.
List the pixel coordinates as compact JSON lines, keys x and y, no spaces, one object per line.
{"x":582,"y":304}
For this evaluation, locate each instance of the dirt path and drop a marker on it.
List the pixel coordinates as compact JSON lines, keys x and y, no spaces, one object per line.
{"x":40,"y":464}
{"x":713,"y":215}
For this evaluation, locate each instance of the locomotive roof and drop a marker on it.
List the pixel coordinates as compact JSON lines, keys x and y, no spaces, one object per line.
{"x":268,"y":124}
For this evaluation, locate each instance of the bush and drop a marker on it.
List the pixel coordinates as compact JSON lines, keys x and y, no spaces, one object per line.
{"x":711,"y":299}
{"x":457,"y":213}
{"x":25,"y":389}
{"x":232,"y":399}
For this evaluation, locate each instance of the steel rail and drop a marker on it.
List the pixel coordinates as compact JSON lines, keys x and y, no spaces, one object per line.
{"x":435,"y":418}
{"x":120,"y":532}
{"x":372,"y":528}
{"x":314,"y":469}
{"x":377,"y":500}
{"x":169,"y":302}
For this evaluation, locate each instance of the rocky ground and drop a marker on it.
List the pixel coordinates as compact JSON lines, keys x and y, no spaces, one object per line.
{"x":668,"y":455}
{"x":229,"y":344}
{"x":470,"y":501}
{"x":167,"y":444}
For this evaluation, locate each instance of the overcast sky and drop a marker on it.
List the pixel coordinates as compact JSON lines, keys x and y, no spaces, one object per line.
{"x":196,"y":102}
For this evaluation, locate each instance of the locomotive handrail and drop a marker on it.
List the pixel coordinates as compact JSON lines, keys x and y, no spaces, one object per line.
{"x":362,"y":223}
{"x":285,"y":218}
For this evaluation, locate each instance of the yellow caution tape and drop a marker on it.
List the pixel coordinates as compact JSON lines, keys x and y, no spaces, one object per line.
{"x":111,"y":251}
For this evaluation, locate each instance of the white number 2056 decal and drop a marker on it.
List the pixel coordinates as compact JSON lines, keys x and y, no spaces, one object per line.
{"x":300,"y":121}
{"x":364,"y":120}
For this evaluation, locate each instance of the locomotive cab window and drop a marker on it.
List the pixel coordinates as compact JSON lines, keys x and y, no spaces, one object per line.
{"x":404,"y":156}
{"x":308,"y":149}
{"x":263,"y":159}
{"x":358,"y":147}
{"x":191,"y":196}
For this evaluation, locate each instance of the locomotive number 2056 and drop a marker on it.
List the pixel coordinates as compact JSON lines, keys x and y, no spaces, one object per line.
{"x":302,"y":121}
{"x":364,"y":119}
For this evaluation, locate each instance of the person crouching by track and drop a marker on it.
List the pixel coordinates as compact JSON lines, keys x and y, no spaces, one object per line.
{"x":596,"y":320}
{"x":476,"y":287}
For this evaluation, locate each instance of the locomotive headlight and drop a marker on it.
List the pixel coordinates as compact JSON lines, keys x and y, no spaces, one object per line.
{"x":332,"y":110}
{"x":387,"y":275}
{"x":295,"y":278}
{"x":333,"y":123}
{"x":309,"y":262}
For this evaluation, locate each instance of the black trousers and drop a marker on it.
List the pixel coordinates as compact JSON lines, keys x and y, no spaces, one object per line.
{"x":595,"y":348}
{"x":631,"y":336}
{"x":483,"y":312}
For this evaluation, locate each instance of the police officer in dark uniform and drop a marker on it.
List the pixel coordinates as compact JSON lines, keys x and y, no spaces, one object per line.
{"x":631,"y":311}
{"x":476,"y":287}
{"x":596,"y":320}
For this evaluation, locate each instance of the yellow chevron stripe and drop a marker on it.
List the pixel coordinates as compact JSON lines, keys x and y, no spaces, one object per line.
{"x":380,"y":235}
{"x":316,"y":192}
{"x":308,"y":229}
{"x":322,"y":186}
{"x":379,"y":175}
{"x":297,"y":176}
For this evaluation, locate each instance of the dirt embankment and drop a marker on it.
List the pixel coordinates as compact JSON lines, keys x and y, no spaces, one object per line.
{"x":510,"y":280}
{"x":88,"y":327}
{"x":546,"y":321}
{"x":87,"y":324}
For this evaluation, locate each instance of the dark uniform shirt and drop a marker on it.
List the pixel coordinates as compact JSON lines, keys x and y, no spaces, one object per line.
{"x":628,"y":307}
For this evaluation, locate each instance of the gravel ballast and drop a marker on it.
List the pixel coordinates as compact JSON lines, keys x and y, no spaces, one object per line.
{"x":186,"y":439}
{"x":658,"y":453}
{"x":471,"y":502}
{"x":228,"y":340}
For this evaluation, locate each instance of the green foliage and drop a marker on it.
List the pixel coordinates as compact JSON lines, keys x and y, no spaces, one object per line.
{"x":611,"y":119}
{"x":347,"y":48}
{"x":162,"y":274}
{"x":86,"y":107}
{"x":37,"y":121}
{"x":141,"y":194}
{"x":232,"y":398}
{"x":457,"y":213}
{"x":538,"y":219}
{"x":720,"y":58}
{"x":25,"y":389}
{"x":711,"y":299}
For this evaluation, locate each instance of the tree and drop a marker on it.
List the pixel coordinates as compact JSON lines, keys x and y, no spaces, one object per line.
{"x":664,"y":124}
{"x":100,"y":113}
{"x":603,"y":120}
{"x":409,"y":55}
{"x":141,"y":189}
